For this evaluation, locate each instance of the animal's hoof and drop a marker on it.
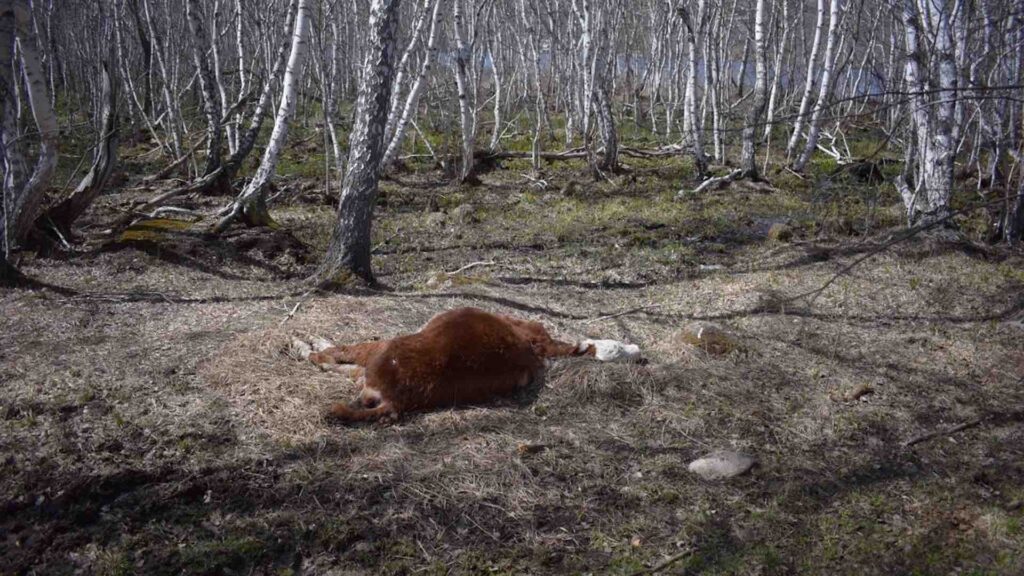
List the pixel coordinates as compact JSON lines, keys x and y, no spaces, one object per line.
{"x":320,"y":344}
{"x":299,"y":349}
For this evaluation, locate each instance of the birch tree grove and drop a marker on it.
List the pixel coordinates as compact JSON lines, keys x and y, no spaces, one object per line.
{"x":756,"y":88}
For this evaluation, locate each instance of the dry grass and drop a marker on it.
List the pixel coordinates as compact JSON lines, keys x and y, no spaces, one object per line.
{"x":156,"y":424}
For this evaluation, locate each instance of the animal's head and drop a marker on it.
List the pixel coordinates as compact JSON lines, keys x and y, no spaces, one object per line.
{"x":538,"y":337}
{"x":609,"y":350}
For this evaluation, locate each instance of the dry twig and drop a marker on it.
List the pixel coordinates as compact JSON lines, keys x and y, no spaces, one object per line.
{"x":936,"y":433}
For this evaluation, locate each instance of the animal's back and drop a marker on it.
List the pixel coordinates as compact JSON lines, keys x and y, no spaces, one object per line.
{"x":463,"y":356}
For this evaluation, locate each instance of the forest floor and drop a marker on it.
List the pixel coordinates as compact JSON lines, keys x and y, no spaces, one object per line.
{"x":151,"y":420}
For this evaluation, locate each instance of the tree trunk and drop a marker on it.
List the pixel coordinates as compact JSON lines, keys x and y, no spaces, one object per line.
{"x":824,"y":89}
{"x":605,"y":114}
{"x":251,"y":204}
{"x":933,"y":122}
{"x":805,"y":100}
{"x":207,"y":84}
{"x":690,"y":100}
{"x":23,"y":193}
{"x":64,"y":214}
{"x":464,"y":51}
{"x":348,"y":254}
{"x":749,"y":161}
{"x":777,"y":69}
{"x":394,"y":138}
{"x":147,"y":59}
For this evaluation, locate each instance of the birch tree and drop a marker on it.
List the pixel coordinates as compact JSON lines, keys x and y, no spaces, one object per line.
{"x":693,"y":31}
{"x":933,"y":122}
{"x":251,"y":204}
{"x":63,"y":215}
{"x":348,"y":253}
{"x":824,"y":87}
{"x":396,"y":133}
{"x":809,"y":80}
{"x":23,"y":190}
{"x":748,"y":162}
{"x":467,"y":104}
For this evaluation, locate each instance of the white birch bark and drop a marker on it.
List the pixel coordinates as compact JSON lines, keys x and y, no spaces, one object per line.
{"x":251,"y":204}
{"x":824,"y":87}
{"x":693,"y":32}
{"x":170,"y":116}
{"x":809,"y":81}
{"x":778,"y":71}
{"x":348,"y":254}
{"x":748,"y":161}
{"x":64,"y":214}
{"x":463,"y":53}
{"x":23,"y":198}
{"x":397,"y":134}
{"x":207,"y":83}
{"x":403,"y":63}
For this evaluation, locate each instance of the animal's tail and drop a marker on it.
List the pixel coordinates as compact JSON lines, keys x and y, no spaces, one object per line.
{"x":345,"y":413}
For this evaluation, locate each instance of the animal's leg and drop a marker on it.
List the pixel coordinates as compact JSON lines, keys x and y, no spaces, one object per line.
{"x":351,"y":371}
{"x":359,"y":354}
{"x":370,"y":397}
{"x":346,"y":413}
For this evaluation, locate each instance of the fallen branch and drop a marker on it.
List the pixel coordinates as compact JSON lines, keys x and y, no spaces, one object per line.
{"x":472,"y":265}
{"x":717,"y":181}
{"x":937,"y":433}
{"x":195,"y":186}
{"x":672,"y":150}
{"x":623,"y":313}
{"x":302,"y":300}
{"x":549,"y":156}
{"x":164,"y":210}
{"x":385,"y":241}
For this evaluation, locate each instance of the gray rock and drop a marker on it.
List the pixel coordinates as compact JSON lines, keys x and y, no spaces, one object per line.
{"x":436,"y":219}
{"x":710,"y":338}
{"x":721,"y":465}
{"x":463,"y":214}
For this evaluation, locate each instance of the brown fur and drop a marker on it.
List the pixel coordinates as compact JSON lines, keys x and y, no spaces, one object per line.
{"x":464,"y":356}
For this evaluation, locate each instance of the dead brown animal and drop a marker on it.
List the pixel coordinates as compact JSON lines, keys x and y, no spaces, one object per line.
{"x":463,"y":356}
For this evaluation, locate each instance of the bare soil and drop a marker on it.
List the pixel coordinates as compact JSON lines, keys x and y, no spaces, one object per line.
{"x":152,"y":421}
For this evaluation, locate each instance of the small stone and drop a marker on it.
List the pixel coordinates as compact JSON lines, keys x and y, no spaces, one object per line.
{"x":436,"y":219}
{"x":780,"y":233}
{"x":571,"y":189}
{"x":708,"y":337}
{"x":857,"y":392}
{"x":438,"y":280}
{"x":524,"y":449}
{"x":721,"y":465}
{"x":463,"y":214}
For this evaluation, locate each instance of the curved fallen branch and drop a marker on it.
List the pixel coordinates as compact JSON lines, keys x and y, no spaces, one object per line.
{"x":715,"y":182}
{"x":196,"y":186}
